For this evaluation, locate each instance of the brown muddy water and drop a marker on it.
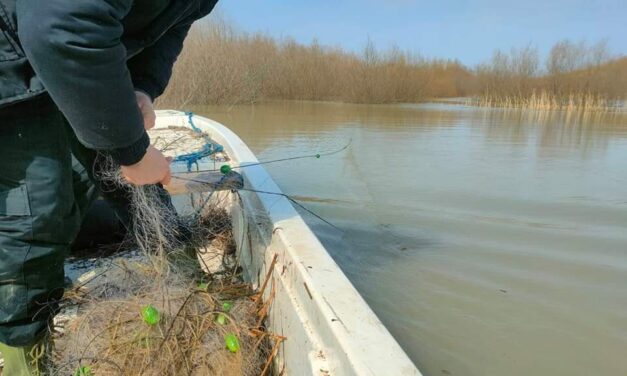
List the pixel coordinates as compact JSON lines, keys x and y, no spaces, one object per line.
{"x":489,"y":241}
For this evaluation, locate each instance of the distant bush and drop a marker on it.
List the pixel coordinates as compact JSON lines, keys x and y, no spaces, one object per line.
{"x":575,"y":75}
{"x":221,"y":65}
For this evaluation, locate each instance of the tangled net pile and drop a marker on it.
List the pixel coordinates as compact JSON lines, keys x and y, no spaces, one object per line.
{"x":154,"y":311}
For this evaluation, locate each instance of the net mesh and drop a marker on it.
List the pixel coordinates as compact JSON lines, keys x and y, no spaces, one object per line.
{"x":170,"y":299}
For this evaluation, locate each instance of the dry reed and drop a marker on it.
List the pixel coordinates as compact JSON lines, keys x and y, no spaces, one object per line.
{"x":222,"y":65}
{"x":577,"y":77}
{"x":587,"y":102}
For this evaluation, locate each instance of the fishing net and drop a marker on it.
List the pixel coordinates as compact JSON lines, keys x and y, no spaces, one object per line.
{"x":170,"y":299}
{"x":187,"y":145}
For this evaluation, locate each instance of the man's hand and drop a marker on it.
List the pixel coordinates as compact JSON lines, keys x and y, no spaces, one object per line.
{"x":152,"y":169}
{"x":148,"y":111}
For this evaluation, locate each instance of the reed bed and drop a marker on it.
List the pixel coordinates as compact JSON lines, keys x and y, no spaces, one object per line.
{"x":225,"y":66}
{"x":221,"y":65}
{"x":575,"y":77}
{"x":587,"y":102}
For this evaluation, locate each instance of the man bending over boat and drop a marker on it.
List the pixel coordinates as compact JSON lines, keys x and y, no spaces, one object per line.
{"x":77,"y":80}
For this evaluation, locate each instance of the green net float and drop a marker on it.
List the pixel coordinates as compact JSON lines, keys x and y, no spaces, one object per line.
{"x":221,"y":319}
{"x":83,"y":371}
{"x":232,"y":343}
{"x":227,"y":306}
{"x":318,"y":156}
{"x":203,"y":286}
{"x":150,"y":315}
{"x":225,"y":169}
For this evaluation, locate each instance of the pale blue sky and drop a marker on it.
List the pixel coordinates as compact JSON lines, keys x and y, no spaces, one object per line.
{"x":463,"y":29}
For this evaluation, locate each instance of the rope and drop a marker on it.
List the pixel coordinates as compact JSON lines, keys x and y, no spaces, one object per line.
{"x":36,"y":355}
{"x":190,"y":120}
{"x":208,"y":149}
{"x":316,"y":156}
{"x":288,"y":197}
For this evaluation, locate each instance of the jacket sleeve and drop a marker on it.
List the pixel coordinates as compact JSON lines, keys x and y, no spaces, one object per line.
{"x":152,"y":68}
{"x":75,"y":49}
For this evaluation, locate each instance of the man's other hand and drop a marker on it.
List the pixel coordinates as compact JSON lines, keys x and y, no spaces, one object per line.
{"x":153,"y":168}
{"x":148,"y":111}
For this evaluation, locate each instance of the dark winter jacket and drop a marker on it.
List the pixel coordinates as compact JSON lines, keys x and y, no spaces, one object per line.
{"x":90,"y":56}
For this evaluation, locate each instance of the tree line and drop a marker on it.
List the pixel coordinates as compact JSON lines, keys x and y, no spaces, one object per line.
{"x":221,"y":65}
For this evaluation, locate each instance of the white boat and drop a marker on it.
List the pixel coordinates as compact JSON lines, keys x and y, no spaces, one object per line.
{"x":329,"y":327}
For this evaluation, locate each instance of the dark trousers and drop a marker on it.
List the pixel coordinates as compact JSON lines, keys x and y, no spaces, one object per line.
{"x":45,"y":189}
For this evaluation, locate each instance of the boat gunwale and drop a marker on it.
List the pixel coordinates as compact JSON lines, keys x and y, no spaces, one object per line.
{"x":338,"y":322}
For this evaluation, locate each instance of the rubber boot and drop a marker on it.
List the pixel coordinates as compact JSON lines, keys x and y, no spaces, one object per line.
{"x":24,"y":361}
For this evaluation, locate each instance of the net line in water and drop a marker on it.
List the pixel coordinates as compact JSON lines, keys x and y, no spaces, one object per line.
{"x":226,"y":169}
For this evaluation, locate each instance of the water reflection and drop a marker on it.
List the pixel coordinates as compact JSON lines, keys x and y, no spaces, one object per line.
{"x":562,"y":129}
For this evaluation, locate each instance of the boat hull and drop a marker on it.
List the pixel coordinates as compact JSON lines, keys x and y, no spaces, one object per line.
{"x":330,"y":329}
